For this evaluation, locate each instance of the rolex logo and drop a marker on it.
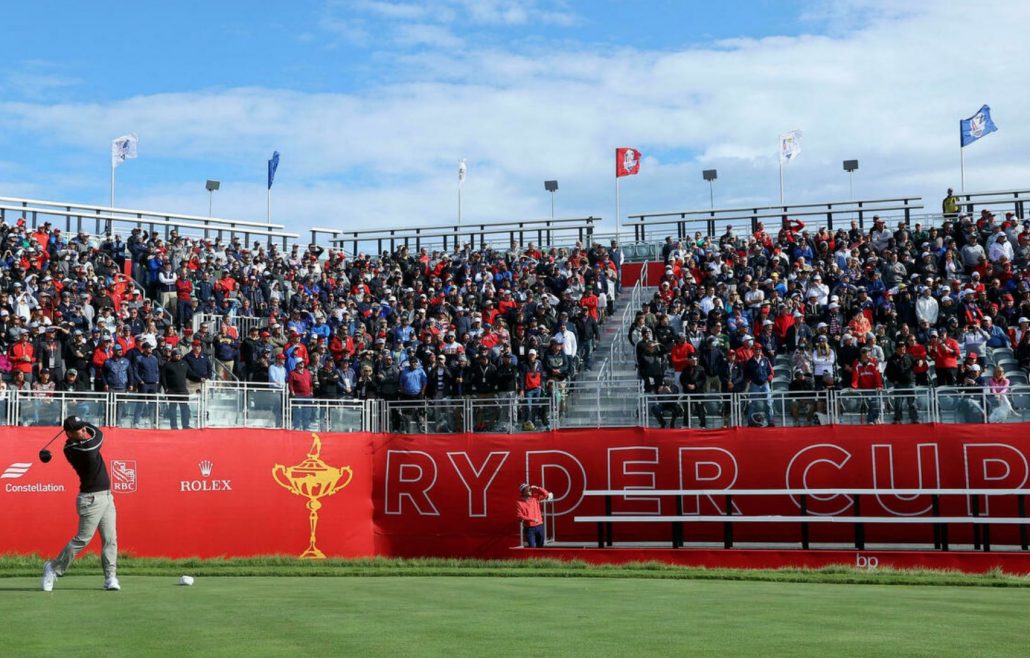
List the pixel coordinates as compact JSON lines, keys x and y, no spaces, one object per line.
{"x":207,"y":484}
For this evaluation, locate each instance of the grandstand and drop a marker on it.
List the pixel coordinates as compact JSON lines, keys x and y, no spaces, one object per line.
{"x":715,"y":318}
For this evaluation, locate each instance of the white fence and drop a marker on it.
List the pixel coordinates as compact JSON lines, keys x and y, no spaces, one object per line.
{"x":617,"y":403}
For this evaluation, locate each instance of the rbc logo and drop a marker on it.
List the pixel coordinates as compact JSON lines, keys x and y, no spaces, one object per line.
{"x":124,"y":471}
{"x":863,"y":562}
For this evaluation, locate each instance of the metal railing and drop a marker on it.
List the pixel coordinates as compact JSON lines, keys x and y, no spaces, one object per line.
{"x":243,"y":404}
{"x":620,"y":348}
{"x":106,"y":220}
{"x":155,"y":411}
{"x":451,"y":236}
{"x":609,"y":403}
{"x":617,"y":403}
{"x":1001,"y":200}
{"x":709,"y":221}
{"x":310,"y":414}
{"x":49,"y":408}
{"x":243,"y":323}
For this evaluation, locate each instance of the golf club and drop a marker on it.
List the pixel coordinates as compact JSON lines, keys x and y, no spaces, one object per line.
{"x":44,"y":454}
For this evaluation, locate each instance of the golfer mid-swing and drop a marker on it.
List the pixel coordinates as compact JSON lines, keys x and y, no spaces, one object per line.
{"x":94,"y":503}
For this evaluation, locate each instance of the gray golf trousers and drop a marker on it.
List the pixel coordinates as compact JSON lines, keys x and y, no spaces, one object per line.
{"x":96,"y":511}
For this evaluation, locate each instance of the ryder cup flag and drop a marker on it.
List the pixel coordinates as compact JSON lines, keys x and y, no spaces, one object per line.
{"x":123,"y":148}
{"x":463,"y":170}
{"x":790,"y":145}
{"x":976,"y":126}
{"x":273,"y":164}
{"x":627,"y":162}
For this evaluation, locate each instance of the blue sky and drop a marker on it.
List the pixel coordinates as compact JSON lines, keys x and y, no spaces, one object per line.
{"x":371,"y":103}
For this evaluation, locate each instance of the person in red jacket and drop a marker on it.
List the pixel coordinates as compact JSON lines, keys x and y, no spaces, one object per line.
{"x":680,"y":352}
{"x":945,"y":353}
{"x":865,"y":376}
{"x":301,"y":386}
{"x":527,"y":511}
{"x":23,"y":355}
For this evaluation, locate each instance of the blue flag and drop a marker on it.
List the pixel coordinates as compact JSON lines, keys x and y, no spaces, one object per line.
{"x":273,"y":164}
{"x":976,"y":126}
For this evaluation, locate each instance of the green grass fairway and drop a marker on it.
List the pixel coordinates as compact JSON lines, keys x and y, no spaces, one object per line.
{"x":516,"y":615}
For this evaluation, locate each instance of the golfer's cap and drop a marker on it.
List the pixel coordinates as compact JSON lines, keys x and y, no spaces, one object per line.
{"x":533,"y":352}
{"x":972,"y":355}
{"x":74,"y":424}
{"x":72,"y":371}
{"x":524,"y":487}
{"x":280,"y":357}
{"x":933,"y":332}
{"x":974,"y":368}
{"x":1022,"y":320}
{"x":118,"y":347}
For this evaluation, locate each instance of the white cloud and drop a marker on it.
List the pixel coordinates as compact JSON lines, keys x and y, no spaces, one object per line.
{"x":889,"y":94}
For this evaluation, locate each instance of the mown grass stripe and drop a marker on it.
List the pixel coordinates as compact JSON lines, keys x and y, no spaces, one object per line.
{"x":29,"y":565}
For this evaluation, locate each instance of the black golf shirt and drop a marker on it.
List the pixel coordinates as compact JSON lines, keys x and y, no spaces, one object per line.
{"x":85,"y":458}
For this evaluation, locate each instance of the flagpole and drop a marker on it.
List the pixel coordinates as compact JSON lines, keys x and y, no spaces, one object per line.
{"x":459,"y":203}
{"x":781,"y":171}
{"x":618,"y":214}
{"x":268,"y":208}
{"x":961,"y":162}
{"x":112,"y":183}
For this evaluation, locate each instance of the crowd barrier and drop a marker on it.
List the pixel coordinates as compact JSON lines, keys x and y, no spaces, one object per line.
{"x":221,"y":492}
{"x":580,"y":404}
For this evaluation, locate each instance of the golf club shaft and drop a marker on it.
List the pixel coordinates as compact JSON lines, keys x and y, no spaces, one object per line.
{"x":59,"y":433}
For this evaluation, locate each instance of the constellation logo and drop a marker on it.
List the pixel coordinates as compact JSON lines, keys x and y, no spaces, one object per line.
{"x":16,"y":470}
{"x":206,"y":466}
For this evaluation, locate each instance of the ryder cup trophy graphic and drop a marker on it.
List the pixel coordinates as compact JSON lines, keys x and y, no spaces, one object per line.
{"x":313,"y":479}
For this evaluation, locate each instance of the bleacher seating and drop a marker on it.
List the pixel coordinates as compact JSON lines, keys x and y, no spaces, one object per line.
{"x":794,"y":302}
{"x":101,"y":313}
{"x":321,"y":323}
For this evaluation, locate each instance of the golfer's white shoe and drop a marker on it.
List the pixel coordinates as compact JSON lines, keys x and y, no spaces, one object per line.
{"x":111,"y":584}
{"x":49,"y":576}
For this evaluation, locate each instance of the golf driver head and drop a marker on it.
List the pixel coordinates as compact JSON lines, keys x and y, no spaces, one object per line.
{"x":45,"y":456}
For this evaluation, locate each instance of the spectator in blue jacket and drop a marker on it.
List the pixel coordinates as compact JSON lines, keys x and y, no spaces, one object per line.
{"x":413,"y":380}
{"x":198,"y":368}
{"x":116,"y":372}
{"x":146,"y":378}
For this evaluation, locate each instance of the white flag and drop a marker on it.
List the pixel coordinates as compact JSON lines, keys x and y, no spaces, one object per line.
{"x":123,"y":148}
{"x":463,"y":170}
{"x":790,"y":145}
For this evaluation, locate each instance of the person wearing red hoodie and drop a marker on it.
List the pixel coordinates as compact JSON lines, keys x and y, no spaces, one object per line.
{"x":945,"y":353}
{"x":865,"y":376}
{"x":682,"y":350}
{"x":527,"y":511}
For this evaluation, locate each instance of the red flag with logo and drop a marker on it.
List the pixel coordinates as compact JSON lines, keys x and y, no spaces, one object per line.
{"x":627,"y":162}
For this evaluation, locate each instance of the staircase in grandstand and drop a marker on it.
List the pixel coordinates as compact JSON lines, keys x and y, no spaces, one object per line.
{"x":611,"y":398}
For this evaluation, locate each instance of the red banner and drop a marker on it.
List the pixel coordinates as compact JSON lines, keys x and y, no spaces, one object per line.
{"x":232,"y":492}
{"x":198,"y":493}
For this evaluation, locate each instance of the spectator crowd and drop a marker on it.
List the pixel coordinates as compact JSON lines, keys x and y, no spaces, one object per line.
{"x":99,"y":313}
{"x":865,"y":309}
